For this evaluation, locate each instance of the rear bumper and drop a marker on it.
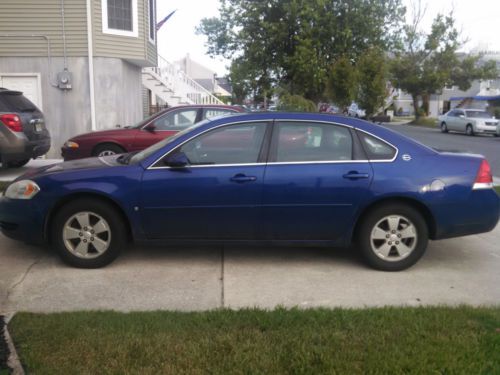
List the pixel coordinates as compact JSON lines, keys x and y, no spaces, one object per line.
{"x":479,"y":214}
{"x":25,"y":150}
{"x":21,"y":220}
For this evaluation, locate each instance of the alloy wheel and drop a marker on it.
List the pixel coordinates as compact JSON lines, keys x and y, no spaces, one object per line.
{"x":393,"y":238}
{"x":86,"y":235}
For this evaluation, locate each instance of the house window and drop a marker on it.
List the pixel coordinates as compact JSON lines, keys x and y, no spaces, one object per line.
{"x":152,"y":20}
{"x":119,"y":17}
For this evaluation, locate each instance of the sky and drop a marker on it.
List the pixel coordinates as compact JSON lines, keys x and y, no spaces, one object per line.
{"x":478,"y":21}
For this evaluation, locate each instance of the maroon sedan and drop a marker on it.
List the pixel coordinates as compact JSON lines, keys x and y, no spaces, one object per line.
{"x":135,"y":138}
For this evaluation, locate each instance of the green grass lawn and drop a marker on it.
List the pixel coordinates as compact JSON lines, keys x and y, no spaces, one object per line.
{"x":428,"y":122}
{"x":437,"y":340}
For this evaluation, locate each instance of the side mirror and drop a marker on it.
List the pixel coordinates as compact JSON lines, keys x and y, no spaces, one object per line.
{"x":461,"y":116}
{"x":150,"y":128}
{"x":177,"y":160}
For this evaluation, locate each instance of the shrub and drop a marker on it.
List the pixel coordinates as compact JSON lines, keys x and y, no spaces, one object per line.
{"x":296,"y":103}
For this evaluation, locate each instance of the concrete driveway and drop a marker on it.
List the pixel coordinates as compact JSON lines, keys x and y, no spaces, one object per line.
{"x":463,"y":270}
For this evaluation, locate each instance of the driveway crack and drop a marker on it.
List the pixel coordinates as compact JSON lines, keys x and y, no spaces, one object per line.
{"x":21,"y":280}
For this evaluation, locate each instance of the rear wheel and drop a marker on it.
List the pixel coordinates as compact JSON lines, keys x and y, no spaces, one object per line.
{"x":17,"y":163}
{"x":107,"y":150}
{"x":469,"y":130}
{"x":444,"y":128}
{"x":88,"y":233}
{"x":393,"y":237}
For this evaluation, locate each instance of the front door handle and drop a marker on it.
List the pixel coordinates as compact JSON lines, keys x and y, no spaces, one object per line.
{"x":240,"y":178}
{"x":354,"y":175}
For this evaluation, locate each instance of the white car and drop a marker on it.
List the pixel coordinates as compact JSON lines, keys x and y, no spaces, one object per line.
{"x":355,"y":111}
{"x":469,"y":121}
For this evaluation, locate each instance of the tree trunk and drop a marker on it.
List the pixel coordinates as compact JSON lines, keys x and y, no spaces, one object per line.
{"x":425,"y":103}
{"x":414,"y":97}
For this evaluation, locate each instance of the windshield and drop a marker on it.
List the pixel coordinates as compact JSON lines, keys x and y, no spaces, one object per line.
{"x":140,"y":156}
{"x":478,"y":114}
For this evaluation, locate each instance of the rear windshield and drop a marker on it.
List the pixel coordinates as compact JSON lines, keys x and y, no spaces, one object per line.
{"x":478,"y":114}
{"x":15,"y":102}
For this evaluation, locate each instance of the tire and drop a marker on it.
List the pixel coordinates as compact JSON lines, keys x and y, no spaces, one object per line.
{"x":107,"y":149}
{"x":17,"y":163}
{"x":95,"y":247}
{"x":395,"y":253}
{"x":469,"y":130}
{"x":444,"y":128}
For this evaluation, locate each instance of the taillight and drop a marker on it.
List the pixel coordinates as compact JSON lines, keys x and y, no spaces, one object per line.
{"x":484,"y":178}
{"x":12,"y":121}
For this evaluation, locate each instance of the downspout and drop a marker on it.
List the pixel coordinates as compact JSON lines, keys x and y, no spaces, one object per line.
{"x":64,"y":36}
{"x":90,"y":47}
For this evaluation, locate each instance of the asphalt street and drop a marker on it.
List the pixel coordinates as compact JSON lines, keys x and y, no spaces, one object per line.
{"x":485,"y":145}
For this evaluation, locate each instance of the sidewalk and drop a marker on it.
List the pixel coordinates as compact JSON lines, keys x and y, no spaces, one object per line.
{"x":12,"y":173}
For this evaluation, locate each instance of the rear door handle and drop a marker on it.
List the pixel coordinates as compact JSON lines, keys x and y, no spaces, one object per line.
{"x":353,"y":175}
{"x":240,"y":178}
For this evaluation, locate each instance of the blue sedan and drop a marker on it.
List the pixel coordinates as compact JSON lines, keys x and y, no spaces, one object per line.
{"x":279,"y":178}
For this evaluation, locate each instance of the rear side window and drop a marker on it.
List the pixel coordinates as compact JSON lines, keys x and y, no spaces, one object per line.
{"x":214,"y":112}
{"x":310,"y":142}
{"x":16,"y":102}
{"x":375,"y":148}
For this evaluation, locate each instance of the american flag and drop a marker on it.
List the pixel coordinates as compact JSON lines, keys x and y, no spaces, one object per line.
{"x":160,"y":24}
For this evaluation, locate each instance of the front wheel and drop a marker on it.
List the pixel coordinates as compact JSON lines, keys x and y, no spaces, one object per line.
{"x":469,"y":130}
{"x":393,"y":237}
{"x":444,"y":128}
{"x":107,"y":150}
{"x":88,"y":233}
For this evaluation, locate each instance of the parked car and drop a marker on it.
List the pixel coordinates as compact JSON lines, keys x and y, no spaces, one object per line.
{"x":135,"y":138}
{"x":469,"y":121}
{"x":355,"y":111}
{"x":265,"y":178}
{"x":23,"y":135}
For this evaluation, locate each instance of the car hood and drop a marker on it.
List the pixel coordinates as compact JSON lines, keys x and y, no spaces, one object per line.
{"x":103,"y":133}
{"x":81,"y":164}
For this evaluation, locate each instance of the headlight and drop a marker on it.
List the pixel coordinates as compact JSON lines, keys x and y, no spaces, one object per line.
{"x":70,"y":144}
{"x":24,"y":189}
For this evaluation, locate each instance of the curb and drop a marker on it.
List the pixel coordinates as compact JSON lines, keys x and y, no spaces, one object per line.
{"x":13,"y":362}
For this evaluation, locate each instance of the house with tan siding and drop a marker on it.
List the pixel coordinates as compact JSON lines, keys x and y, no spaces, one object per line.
{"x":80,"y":61}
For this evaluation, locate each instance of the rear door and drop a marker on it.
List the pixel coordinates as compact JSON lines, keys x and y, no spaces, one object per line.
{"x":315,"y":181}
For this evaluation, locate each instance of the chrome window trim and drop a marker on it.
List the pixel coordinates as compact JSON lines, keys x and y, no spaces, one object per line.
{"x":279,"y":163}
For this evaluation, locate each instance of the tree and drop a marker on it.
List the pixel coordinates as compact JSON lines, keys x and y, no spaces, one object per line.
{"x":372,"y":78}
{"x":342,"y":82}
{"x":293,"y":43}
{"x":425,"y":63}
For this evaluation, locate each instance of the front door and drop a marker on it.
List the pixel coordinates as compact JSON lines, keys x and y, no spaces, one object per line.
{"x":165,"y":126}
{"x":217,"y":196}
{"x":312,"y":186}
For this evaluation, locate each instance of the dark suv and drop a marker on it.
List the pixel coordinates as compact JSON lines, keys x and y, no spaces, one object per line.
{"x":23,"y":135}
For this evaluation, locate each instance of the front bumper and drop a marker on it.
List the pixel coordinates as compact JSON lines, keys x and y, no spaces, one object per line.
{"x":21,"y":220}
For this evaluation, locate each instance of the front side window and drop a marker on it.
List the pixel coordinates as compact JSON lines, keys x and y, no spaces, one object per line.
{"x":119,"y":17}
{"x":176,"y":120}
{"x":234,"y":144}
{"x":375,"y":148}
{"x":310,"y":142}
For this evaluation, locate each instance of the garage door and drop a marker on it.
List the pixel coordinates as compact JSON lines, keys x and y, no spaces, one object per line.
{"x":28,"y":84}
